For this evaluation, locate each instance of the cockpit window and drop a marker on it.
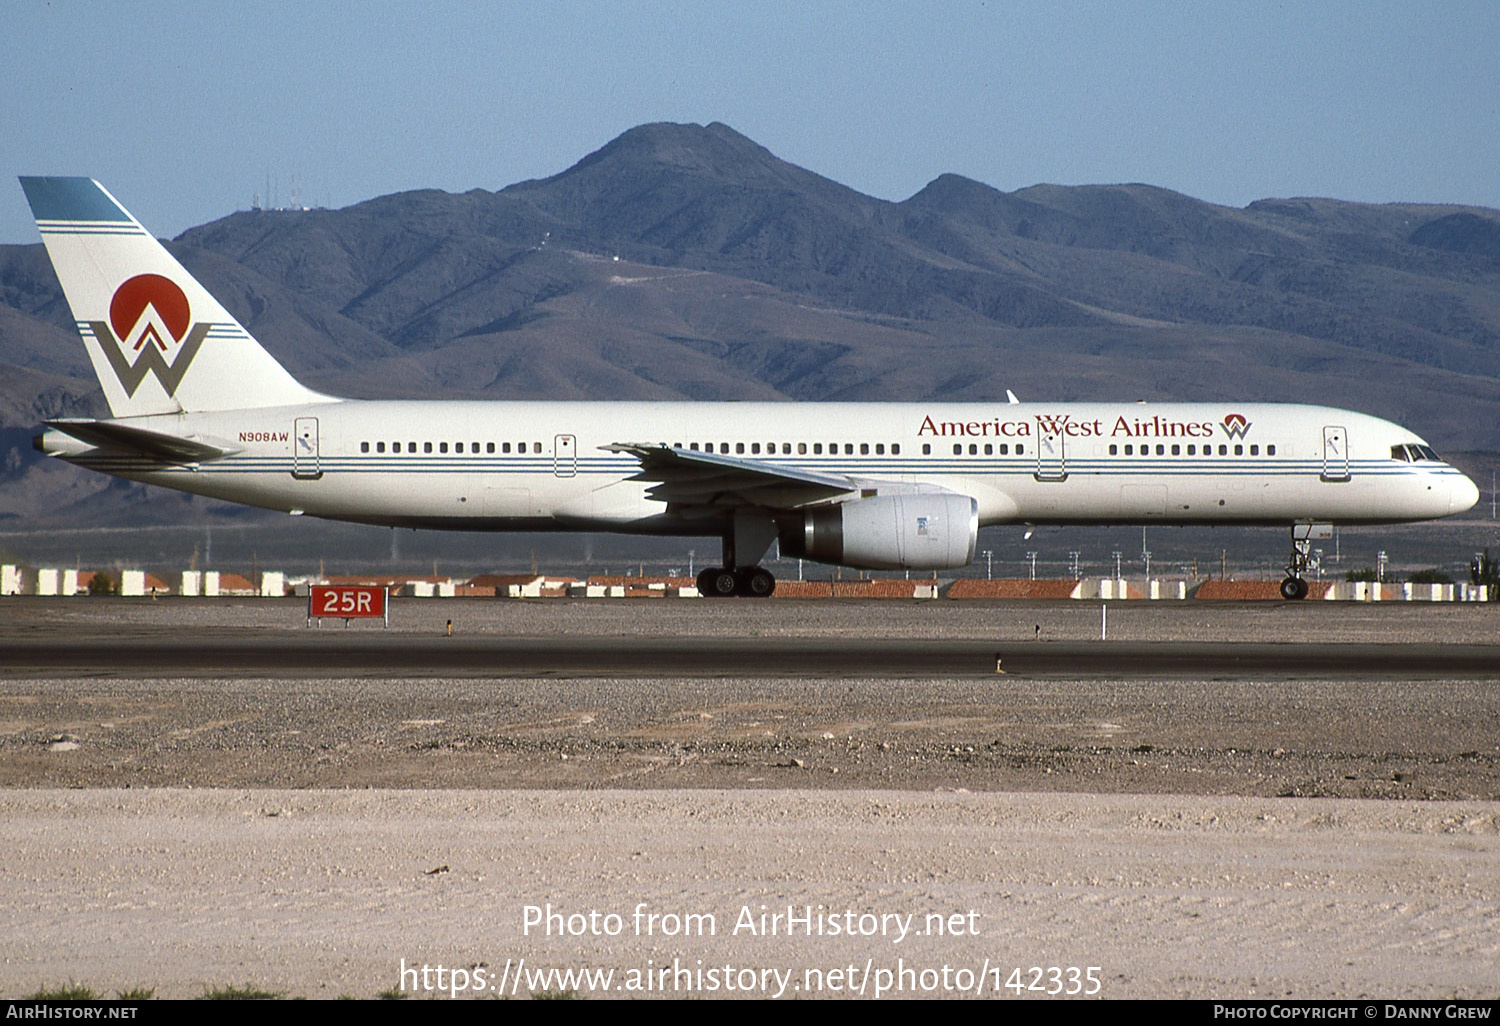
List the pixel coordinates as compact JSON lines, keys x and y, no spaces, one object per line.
{"x":1414,"y":453}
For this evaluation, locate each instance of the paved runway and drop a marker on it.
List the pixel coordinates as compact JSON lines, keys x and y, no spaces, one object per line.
{"x":370,"y":654}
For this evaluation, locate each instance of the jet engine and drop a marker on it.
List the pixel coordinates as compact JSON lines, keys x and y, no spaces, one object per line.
{"x":889,"y":532}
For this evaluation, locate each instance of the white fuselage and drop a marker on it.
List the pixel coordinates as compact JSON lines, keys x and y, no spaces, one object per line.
{"x":542,"y":465}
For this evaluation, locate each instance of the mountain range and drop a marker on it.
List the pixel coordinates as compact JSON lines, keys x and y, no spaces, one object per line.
{"x":687,"y":261}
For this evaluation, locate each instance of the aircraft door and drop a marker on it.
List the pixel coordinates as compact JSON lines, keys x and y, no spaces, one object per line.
{"x":565,"y":456}
{"x":305,"y":462}
{"x":1335,"y":454}
{"x":1051,"y":456}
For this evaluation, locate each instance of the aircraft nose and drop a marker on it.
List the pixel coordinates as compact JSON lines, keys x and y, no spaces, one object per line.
{"x":1462,"y":495}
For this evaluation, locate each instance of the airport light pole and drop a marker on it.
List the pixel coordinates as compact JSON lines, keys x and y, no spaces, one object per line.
{"x":988,"y":564}
{"x":1117,"y":564}
{"x":1032,"y":556}
{"x":1073,"y":555}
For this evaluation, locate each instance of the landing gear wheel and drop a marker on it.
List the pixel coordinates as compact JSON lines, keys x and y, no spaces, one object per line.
{"x":754,"y":582}
{"x":717,"y":582}
{"x":1294,"y":588}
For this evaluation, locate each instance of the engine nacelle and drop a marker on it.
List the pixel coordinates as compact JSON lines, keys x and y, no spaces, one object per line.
{"x":890,"y":532}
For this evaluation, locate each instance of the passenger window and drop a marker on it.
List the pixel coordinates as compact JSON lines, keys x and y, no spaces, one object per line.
{"x":693,"y":446}
{"x":1239,"y":450}
{"x":1114,"y":450}
{"x":958,"y":450}
{"x":411,"y":446}
{"x":895,"y":448}
{"x":1255,"y":450}
{"x":879,"y":448}
{"x":1161,"y":450}
{"x":1270,"y":450}
{"x":1176,"y":450}
{"x":1129,"y":449}
{"x":989,"y":450}
{"x":489,"y":446}
{"x":426,"y":446}
{"x":442,"y":447}
{"x":848,"y":448}
{"x":755,"y":448}
{"x":473,"y":446}
{"x":817,"y":448}
{"x":786,"y":448}
{"x":973,"y":449}
{"x":864,"y":448}
{"x":1020,"y":449}
{"x":739,"y":447}
{"x":708,"y":447}
{"x":458,"y":447}
{"x":1223,"y":450}
{"x":520,"y":447}
{"x":926,"y":448}
{"x":801,"y":448}
{"x":536,"y":446}
{"x":1192,"y":450}
{"x":1004,"y":448}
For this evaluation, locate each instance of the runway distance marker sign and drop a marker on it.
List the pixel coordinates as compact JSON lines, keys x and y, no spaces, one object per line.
{"x":349,"y":601}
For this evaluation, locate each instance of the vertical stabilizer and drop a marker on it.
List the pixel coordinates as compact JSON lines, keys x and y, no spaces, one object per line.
{"x":159,"y":342}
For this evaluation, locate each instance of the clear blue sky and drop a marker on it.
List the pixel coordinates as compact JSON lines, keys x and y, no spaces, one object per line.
{"x":184,"y":109}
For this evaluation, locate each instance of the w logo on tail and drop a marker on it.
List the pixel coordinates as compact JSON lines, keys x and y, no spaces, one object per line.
{"x":1236,"y":426}
{"x":149,"y":331}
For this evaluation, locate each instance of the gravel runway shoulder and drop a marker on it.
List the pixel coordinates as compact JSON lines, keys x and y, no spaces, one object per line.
{"x":322,"y":893}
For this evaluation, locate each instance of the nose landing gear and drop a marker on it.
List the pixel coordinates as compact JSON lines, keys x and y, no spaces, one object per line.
{"x":1295,"y":586}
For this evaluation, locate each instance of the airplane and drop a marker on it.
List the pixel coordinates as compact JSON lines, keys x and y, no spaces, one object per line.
{"x":198,"y":405}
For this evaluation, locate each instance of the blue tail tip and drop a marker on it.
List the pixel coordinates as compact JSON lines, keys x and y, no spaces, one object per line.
{"x":70,"y":199}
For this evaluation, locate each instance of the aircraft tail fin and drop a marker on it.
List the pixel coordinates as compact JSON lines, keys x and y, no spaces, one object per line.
{"x":158,"y":340}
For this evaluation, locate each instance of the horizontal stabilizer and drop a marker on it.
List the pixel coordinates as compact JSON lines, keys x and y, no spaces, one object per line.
{"x":156,"y":445}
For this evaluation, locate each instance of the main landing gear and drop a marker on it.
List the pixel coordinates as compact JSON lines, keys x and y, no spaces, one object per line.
{"x":749,"y":534}
{"x":1294,"y":586}
{"x":747,"y":581}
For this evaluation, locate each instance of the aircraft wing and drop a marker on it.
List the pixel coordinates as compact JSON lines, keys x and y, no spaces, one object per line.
{"x":157,"y":445}
{"x":687,"y":478}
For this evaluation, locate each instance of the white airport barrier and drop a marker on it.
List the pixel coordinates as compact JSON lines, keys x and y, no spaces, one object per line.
{"x":211,"y":583}
{"x":10,"y":579}
{"x":192,"y":583}
{"x":1113,"y":588}
{"x":272,"y":584}
{"x":133,"y":583}
{"x":46,"y":581}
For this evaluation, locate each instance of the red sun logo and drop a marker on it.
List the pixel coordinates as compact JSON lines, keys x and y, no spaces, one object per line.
{"x":1235,"y":425}
{"x":152,"y":291}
